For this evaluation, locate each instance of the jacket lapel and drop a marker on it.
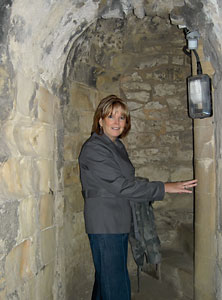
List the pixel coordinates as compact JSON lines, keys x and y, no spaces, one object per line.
{"x":120,"y":155}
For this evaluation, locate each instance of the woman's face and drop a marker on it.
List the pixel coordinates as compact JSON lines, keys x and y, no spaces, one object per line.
{"x":113,"y":124}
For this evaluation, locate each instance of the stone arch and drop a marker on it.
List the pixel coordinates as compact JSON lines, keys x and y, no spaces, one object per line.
{"x":134,"y":59}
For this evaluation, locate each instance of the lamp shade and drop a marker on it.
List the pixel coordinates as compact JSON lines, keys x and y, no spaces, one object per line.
{"x":199,"y":96}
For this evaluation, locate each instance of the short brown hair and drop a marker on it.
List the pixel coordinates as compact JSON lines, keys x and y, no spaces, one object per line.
{"x":106,"y":106}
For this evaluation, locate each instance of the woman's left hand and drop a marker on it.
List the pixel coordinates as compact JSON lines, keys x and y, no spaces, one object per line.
{"x":180,"y":187}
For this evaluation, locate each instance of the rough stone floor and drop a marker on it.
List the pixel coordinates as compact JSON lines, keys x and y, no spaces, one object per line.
{"x":152,"y":289}
{"x":176,"y":281}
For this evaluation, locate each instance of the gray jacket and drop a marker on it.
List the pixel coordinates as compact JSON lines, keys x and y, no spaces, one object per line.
{"x":109,"y":185}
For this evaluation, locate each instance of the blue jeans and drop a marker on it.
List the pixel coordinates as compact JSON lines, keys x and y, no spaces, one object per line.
{"x":109,"y":253}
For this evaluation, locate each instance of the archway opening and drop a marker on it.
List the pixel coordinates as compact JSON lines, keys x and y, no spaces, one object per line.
{"x":141,"y":61}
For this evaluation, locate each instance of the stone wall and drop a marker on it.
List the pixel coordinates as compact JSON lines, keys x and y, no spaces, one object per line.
{"x":43,"y":246}
{"x":78,"y":114}
{"x":30,"y":197}
{"x":29,"y":193}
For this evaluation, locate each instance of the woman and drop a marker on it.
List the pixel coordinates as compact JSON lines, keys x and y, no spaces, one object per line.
{"x":108,"y":185}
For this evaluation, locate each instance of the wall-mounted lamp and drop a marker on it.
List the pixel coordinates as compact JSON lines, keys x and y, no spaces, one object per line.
{"x":192,"y":39}
{"x":199,"y":93}
{"x":199,"y":86}
{"x":199,"y":96}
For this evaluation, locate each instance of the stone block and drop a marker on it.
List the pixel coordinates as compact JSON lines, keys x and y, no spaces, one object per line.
{"x":16,"y":179}
{"x":178,"y":60}
{"x":71,"y":120}
{"x":84,"y":73}
{"x":154,"y":110}
{"x":140,"y":96}
{"x":205,"y":216}
{"x":8,"y":136}
{"x":170,"y":73}
{"x":134,"y":106}
{"x":174,"y":102}
{"x":133,"y":85}
{"x":138,"y":125}
{"x":153,"y":172}
{"x":6,"y":98}
{"x":83,"y":97}
{"x":174,"y":125}
{"x":20,"y":265}
{"x":45,"y":282}
{"x":203,"y":294}
{"x":204,"y":278}
{"x":219,"y":247}
{"x":45,"y":103}
{"x":26,"y":91}
{"x":203,"y":123}
{"x":26,"y":291}
{"x":3,"y":294}
{"x":150,"y":154}
{"x":58,"y":117}
{"x":172,"y":139}
{"x":77,"y":244}
{"x":121,"y":62}
{"x":48,"y":245}
{"x":59,"y":209}
{"x":46,"y":211}
{"x":2,"y":281}
{"x":45,"y":171}
{"x":85,"y":121}
{"x":9,"y":221}
{"x":182,"y":173}
{"x":22,"y":134}
{"x":72,"y":145}
{"x":4,"y":78}
{"x":155,"y":105}
{"x":78,"y":258}
{"x":132,"y":141}
{"x":29,"y":289}
{"x":219,"y":176}
{"x":129,"y":78}
{"x":27,"y":217}
{"x":6,"y":92}
{"x":166,"y":89}
{"x":73,"y":197}
{"x":205,"y":242}
{"x":142,"y":125}
{"x":186,"y":155}
{"x":78,"y":121}
{"x":34,"y":139}
{"x":179,"y":206}
{"x":138,"y":114}
{"x":180,"y":114}
{"x":204,"y":143}
{"x":155,"y":61}
{"x":42,"y":140}
{"x":71,"y":174}
{"x":205,"y":173}
{"x":138,"y":8}
{"x":4,"y":150}
{"x":218,"y":276}
{"x":108,"y":83}
{"x":156,"y":115}
{"x":77,"y":225}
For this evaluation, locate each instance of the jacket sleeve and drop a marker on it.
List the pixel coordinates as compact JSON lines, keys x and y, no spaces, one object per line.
{"x":98,"y":162}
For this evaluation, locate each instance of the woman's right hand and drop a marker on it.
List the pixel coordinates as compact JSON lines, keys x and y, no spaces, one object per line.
{"x":182,"y":187}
